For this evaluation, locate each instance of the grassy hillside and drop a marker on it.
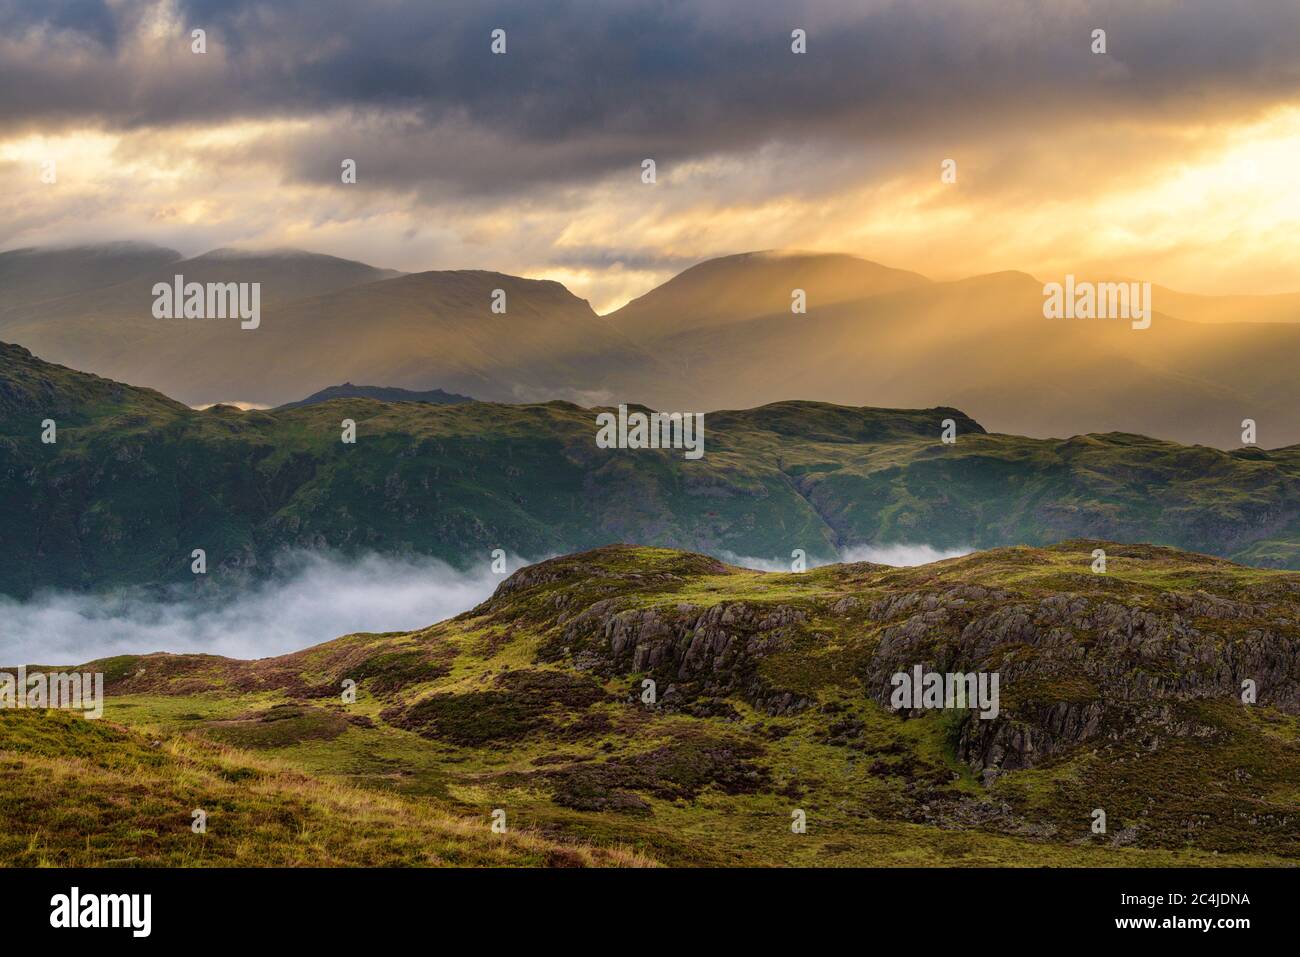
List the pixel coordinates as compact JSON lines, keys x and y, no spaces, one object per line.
{"x":136,"y":482}
{"x":80,"y":793}
{"x":1118,"y":691}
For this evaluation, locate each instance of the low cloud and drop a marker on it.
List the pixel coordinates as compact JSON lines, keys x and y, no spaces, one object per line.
{"x":319,"y":598}
{"x":898,"y":555}
{"x":901,"y":555}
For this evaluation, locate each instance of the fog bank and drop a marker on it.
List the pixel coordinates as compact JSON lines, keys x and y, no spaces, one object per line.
{"x":320,"y":597}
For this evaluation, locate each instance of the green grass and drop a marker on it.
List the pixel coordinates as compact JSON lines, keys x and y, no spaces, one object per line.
{"x":77,"y":793}
{"x":137,"y":481}
{"x":521,"y":706}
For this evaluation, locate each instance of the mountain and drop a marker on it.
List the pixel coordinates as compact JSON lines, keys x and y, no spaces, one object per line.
{"x":111,"y":329}
{"x":980,"y":344}
{"x":36,"y":275}
{"x":737,"y":288}
{"x":417,"y":331}
{"x":721,"y":335}
{"x":285,"y":274}
{"x":380,"y":394}
{"x":81,"y":284}
{"x":664,"y":701}
{"x":137,"y":481}
{"x":326,"y":321}
{"x":1284,"y":307}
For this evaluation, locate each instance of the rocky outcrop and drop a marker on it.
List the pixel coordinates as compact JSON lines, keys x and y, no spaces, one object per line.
{"x":1092,"y":661}
{"x":690,"y":651}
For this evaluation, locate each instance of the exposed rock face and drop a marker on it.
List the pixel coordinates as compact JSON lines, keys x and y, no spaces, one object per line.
{"x":1090,"y":658}
{"x":1073,"y":665}
{"x":695,"y":652}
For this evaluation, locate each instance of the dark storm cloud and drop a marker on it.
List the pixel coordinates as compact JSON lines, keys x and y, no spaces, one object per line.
{"x":90,"y":19}
{"x":590,"y":87}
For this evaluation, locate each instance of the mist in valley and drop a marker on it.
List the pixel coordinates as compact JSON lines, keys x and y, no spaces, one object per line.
{"x":315,"y":598}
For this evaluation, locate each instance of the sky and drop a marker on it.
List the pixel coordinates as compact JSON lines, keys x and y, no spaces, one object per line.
{"x":1171,"y":157}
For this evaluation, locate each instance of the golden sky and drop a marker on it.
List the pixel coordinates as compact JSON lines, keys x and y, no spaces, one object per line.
{"x":1172,"y":157}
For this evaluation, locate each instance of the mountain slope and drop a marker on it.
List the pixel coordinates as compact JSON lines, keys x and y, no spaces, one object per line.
{"x":133,"y":797}
{"x":1283,"y":307}
{"x":36,"y":275}
{"x":136,"y":482}
{"x":326,"y":321}
{"x":980,"y":344}
{"x":1119,"y":691}
{"x":111,"y":329}
{"x":127,"y":299}
{"x":738,"y":288}
{"x":425,"y":329}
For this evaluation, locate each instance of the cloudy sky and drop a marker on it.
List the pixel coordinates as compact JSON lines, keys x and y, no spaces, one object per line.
{"x":1172,"y":157}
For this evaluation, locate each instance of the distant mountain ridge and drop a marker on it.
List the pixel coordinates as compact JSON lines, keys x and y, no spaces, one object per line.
{"x":720,"y":291}
{"x":326,"y":320}
{"x":981,"y":344}
{"x":137,"y":480}
{"x":720,"y":335}
{"x":38,"y":274}
{"x":380,"y":394}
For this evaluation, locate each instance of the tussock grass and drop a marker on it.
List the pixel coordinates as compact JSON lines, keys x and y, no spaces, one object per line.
{"x":75,"y":793}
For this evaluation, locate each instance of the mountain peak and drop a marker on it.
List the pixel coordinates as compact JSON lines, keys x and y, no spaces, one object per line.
{"x":290,"y":253}
{"x":757,"y":284}
{"x":38,"y":274}
{"x":115,"y":247}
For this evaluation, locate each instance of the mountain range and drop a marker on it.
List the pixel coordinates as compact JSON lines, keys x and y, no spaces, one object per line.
{"x":135,"y":481}
{"x":631,"y":704}
{"x":720,"y":335}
